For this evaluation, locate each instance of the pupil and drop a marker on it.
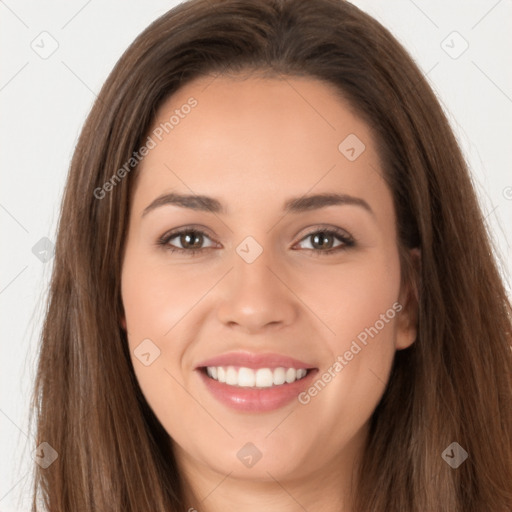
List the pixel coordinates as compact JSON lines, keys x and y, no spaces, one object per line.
{"x":321,"y":240}
{"x":186,"y":239}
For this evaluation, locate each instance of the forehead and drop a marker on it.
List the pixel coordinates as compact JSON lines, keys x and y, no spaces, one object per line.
{"x":250,"y":136}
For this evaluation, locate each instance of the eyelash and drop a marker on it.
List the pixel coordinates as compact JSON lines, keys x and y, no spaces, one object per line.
{"x":347,"y":241}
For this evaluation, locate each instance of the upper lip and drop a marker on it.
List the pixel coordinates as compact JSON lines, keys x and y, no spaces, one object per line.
{"x":255,"y":361}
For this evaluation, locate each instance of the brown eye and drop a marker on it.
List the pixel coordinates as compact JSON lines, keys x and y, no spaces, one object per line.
{"x":191,"y":240}
{"x":186,"y":241}
{"x":328,"y":241}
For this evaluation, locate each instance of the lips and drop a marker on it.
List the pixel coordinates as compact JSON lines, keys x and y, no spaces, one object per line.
{"x":255,"y":382}
{"x":255,"y":361}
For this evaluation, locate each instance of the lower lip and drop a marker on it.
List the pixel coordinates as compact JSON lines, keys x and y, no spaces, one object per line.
{"x":256,"y":400}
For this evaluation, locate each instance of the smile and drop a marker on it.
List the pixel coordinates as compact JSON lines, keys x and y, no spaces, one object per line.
{"x":255,"y":378}
{"x":255,"y":383}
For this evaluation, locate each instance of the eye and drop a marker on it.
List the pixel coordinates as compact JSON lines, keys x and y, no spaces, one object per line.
{"x":323,"y":241}
{"x":190,"y":240}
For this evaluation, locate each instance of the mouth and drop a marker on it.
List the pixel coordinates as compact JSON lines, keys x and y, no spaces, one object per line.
{"x":255,"y":382}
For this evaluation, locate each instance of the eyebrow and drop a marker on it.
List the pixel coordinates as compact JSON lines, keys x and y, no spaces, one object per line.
{"x":293,"y":205}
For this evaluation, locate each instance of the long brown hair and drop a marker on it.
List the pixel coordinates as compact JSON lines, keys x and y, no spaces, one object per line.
{"x":452,"y":385}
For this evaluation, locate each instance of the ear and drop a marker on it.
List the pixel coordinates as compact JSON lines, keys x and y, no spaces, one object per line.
{"x":122,"y":322}
{"x":407,"y":319}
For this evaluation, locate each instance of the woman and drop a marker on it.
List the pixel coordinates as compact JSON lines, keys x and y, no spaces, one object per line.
{"x":273,"y":286}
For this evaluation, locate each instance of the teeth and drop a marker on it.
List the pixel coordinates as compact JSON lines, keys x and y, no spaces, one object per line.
{"x":264,"y":378}
{"x":291,"y":375}
{"x":231,"y":376}
{"x":260,"y":378}
{"x":279,"y":376}
{"x":246,"y":377}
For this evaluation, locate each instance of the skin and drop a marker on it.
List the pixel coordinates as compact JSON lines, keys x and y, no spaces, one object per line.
{"x":253,"y":143}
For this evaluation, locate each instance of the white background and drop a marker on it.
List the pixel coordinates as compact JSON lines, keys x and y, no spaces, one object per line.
{"x":44,"y":103}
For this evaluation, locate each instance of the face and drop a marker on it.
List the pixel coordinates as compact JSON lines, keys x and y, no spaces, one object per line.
{"x":262,"y":318}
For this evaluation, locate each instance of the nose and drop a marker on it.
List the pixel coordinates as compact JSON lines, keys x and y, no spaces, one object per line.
{"x":256,"y":296}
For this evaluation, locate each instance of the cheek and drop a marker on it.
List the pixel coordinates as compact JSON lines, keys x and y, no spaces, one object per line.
{"x":157,"y":300}
{"x":362,"y":347}
{"x":156,"y":296}
{"x":351,"y":298}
